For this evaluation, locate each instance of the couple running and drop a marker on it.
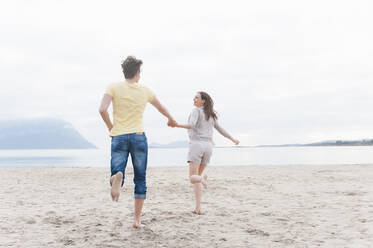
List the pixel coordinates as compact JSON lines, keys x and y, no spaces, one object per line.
{"x":129,"y":99}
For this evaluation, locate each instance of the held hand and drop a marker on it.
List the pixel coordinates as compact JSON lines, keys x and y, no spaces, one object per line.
{"x":171,"y":123}
{"x":236,"y":142}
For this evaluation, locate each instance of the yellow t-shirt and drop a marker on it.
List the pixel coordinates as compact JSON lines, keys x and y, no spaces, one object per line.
{"x":129,"y":101}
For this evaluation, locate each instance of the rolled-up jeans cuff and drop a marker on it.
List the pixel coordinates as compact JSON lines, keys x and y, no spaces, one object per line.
{"x":140,"y":196}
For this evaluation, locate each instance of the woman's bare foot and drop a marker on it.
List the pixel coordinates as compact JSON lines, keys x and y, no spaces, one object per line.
{"x":204,"y":181}
{"x":136,"y":224}
{"x":116,"y":182}
{"x":197,"y":211}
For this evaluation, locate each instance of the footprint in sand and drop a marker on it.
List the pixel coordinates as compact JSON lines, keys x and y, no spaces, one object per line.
{"x":267,"y":214}
{"x":284,"y":241}
{"x":31,"y":221}
{"x":154,"y":219}
{"x":118,"y":223}
{"x":282,"y":219}
{"x":67,"y":222}
{"x":67,"y":241}
{"x":258,"y":232}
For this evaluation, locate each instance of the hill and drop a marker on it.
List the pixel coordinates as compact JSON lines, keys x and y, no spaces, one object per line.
{"x":42,"y":133}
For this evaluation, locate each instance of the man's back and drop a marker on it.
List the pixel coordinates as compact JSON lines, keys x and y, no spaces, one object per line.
{"x":129,"y":101}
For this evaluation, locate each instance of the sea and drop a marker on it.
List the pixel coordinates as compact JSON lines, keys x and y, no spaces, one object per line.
{"x":222,"y":156}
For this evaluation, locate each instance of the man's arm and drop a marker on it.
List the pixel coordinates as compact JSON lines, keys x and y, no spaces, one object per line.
{"x":171,"y":122}
{"x":105,"y":103}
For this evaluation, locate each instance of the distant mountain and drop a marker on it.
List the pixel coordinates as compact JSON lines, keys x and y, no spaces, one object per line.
{"x":42,"y":133}
{"x":363,"y":142}
{"x":175,"y":144}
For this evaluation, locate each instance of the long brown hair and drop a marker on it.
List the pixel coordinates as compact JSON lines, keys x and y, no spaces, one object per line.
{"x":208,"y":107}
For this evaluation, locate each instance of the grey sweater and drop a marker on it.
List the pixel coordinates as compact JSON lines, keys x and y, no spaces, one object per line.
{"x":202,"y":129}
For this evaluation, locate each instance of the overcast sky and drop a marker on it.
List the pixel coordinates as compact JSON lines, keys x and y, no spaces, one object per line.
{"x":279,"y":71}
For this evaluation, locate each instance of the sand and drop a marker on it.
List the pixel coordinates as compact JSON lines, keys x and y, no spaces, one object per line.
{"x":248,"y":206}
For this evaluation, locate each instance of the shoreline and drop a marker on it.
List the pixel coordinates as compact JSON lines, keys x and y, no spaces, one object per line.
{"x":129,"y":165}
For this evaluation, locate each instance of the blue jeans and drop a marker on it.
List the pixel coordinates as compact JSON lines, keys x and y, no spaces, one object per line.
{"x":137,"y":146}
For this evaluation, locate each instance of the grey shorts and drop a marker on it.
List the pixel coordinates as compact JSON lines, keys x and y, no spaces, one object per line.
{"x":200,"y":152}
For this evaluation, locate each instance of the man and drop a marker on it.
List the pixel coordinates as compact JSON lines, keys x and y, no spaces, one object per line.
{"x":129,"y":100}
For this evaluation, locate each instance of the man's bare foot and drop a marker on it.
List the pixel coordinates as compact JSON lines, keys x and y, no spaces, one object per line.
{"x":204,"y":181}
{"x":136,"y":224}
{"x":116,"y":182}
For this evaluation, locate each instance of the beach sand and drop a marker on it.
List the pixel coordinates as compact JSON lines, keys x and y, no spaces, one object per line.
{"x":247,"y":206}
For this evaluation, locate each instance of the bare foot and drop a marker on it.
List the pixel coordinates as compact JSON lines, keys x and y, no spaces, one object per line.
{"x":197,"y":211}
{"x":136,"y":224}
{"x":204,"y":181}
{"x":116,"y":182}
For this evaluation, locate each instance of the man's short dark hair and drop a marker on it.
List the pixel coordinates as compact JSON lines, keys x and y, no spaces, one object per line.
{"x":131,"y":66}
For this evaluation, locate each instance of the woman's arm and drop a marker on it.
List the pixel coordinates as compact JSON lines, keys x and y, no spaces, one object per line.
{"x":225,"y":133}
{"x":192,"y":120}
{"x":186,"y":126}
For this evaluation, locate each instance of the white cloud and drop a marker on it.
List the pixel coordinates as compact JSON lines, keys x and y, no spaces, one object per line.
{"x":281,"y":71}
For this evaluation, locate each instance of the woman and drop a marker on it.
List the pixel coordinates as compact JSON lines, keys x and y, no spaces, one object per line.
{"x":200,"y":126}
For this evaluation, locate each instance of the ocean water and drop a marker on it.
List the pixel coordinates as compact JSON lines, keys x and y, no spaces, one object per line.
{"x":177,"y":156}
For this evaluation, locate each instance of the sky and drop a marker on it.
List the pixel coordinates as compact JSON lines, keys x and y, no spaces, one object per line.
{"x":279,"y":72}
